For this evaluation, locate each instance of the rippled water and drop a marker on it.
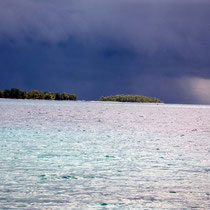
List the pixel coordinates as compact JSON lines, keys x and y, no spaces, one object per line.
{"x":103,"y":155}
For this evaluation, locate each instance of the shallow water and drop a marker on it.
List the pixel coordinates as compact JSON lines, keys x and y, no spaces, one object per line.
{"x":103,"y":155}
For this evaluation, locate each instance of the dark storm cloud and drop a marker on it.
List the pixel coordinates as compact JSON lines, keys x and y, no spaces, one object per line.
{"x":103,"y":47}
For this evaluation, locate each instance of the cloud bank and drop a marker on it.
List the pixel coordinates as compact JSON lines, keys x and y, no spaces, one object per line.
{"x":150,"y":47}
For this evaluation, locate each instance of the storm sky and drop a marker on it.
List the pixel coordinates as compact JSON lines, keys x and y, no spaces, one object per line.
{"x":159,"y":48}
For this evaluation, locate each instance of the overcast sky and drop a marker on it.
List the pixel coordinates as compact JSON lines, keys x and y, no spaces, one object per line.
{"x":159,"y":48}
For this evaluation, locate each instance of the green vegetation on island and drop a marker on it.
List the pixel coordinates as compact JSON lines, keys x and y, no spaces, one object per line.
{"x":131,"y":98}
{"x":35,"y":94}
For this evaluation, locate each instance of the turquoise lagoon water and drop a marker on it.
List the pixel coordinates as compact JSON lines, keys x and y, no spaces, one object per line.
{"x":103,"y":155}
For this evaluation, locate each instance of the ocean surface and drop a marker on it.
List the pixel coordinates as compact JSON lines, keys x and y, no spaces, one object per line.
{"x":103,"y":155}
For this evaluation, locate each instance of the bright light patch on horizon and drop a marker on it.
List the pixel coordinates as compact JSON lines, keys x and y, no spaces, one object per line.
{"x":200,"y":88}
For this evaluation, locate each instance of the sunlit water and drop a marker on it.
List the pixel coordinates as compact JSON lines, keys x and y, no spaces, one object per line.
{"x":85,"y":155}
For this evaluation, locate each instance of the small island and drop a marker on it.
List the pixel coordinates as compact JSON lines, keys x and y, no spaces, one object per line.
{"x":131,"y":98}
{"x":15,"y":93}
